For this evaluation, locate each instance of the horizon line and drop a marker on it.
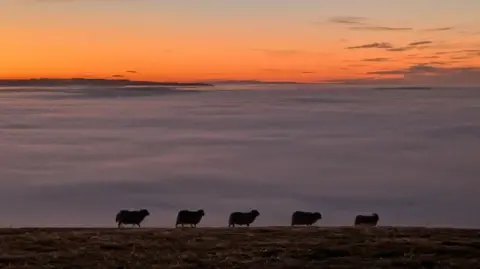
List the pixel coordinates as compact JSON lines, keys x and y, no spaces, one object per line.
{"x":48,"y":81}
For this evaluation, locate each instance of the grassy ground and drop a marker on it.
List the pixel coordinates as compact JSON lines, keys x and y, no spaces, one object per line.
{"x":240,"y":248}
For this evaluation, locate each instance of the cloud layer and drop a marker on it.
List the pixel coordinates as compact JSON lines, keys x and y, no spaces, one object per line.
{"x":71,"y":159}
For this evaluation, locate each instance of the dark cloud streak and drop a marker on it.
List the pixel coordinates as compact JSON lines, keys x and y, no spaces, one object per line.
{"x":348,"y":20}
{"x":376,"y":45}
{"x":418,"y":43}
{"x":439,"y":29}
{"x":399,"y":49}
{"x":376,"y":60}
{"x":380,"y":28}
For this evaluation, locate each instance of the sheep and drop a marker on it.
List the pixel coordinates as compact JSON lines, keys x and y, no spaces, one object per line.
{"x":362,"y":220}
{"x":305,"y":218}
{"x":243,"y":218}
{"x":189,"y":217}
{"x":131,"y":217}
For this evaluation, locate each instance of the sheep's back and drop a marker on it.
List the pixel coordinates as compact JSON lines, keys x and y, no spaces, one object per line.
{"x":366,"y":220}
{"x":303,"y":218}
{"x":188,"y":217}
{"x":129,"y":217}
{"x":241,"y":218}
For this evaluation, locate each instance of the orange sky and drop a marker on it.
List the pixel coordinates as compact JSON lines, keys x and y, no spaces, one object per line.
{"x":188,"y":40}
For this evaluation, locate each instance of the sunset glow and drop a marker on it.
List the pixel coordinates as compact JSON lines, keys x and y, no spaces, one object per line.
{"x":283,"y":40}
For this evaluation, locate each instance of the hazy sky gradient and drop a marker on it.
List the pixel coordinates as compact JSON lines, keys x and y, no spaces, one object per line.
{"x":301,"y":40}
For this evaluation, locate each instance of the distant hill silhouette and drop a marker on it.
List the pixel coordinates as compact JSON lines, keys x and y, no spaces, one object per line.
{"x":89,"y":82}
{"x":250,"y":82}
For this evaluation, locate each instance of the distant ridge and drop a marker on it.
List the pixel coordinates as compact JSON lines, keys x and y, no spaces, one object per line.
{"x":404,"y":88}
{"x":90,"y":82}
{"x":251,"y":82}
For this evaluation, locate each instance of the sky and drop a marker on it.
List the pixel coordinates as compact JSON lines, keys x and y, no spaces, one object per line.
{"x":423,"y":41}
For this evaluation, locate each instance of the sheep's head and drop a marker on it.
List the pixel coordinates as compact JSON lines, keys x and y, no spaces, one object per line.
{"x":317,"y":215}
{"x":201,"y":212}
{"x":255,"y":213}
{"x":375,"y":215}
{"x":144,"y":212}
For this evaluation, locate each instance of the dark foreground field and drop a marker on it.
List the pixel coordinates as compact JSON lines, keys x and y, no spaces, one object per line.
{"x":240,"y":248}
